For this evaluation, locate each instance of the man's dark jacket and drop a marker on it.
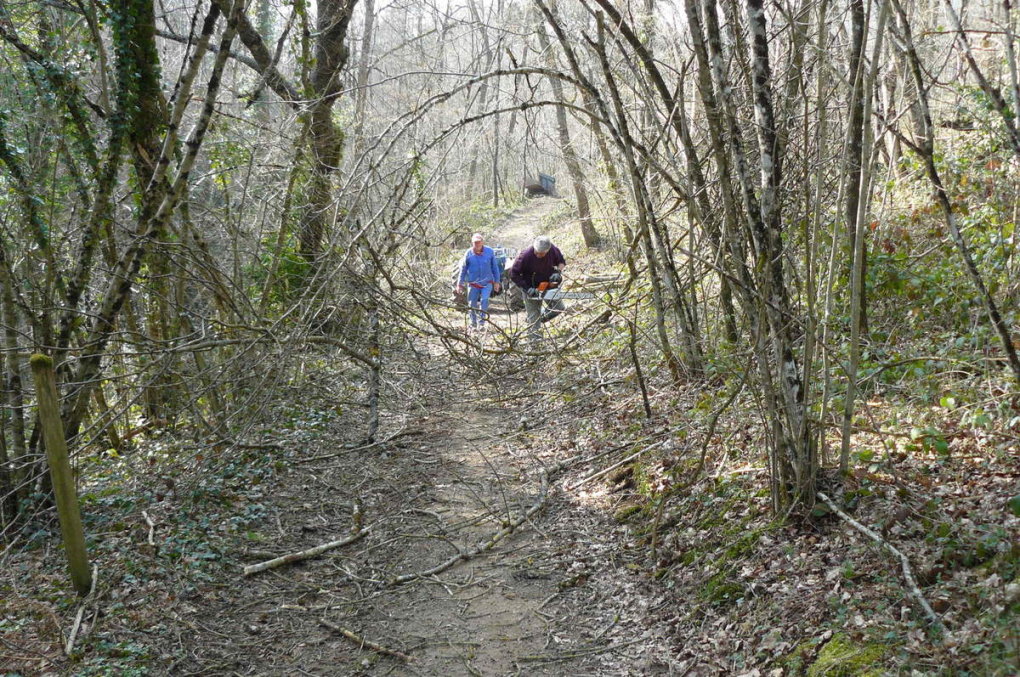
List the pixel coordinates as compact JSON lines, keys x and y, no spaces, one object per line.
{"x":530,"y":271}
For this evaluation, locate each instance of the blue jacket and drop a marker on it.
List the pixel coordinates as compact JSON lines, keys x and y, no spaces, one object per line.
{"x":480,"y":269}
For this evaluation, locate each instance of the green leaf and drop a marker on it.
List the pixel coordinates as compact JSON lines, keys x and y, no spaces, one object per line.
{"x":1014,"y":505}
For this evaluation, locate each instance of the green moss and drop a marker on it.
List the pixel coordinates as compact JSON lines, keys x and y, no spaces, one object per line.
{"x":689,"y":557}
{"x":40,"y":361}
{"x":626,"y":513}
{"x":721,"y":591}
{"x":840,"y":657}
{"x":743,"y":547}
{"x":797,"y":660}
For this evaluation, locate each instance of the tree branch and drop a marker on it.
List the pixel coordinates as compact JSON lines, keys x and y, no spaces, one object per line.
{"x":904,"y":562}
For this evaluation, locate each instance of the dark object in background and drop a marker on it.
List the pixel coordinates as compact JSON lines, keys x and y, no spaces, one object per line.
{"x":534,"y":190}
{"x":546,"y":185}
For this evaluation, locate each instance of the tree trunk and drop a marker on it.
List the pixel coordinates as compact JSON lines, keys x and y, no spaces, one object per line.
{"x":640,"y":197}
{"x":326,"y":139}
{"x":855,"y":140}
{"x":858,"y":306}
{"x":593,"y":103}
{"x":68,"y":510}
{"x":588,"y":232}
{"x":361,"y":80}
{"x":126,"y":270}
{"x":794,"y":458}
{"x":14,"y":399}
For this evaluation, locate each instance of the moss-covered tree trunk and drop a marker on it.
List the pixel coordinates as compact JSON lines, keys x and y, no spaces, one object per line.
{"x":158,"y":198}
{"x":326,"y":138}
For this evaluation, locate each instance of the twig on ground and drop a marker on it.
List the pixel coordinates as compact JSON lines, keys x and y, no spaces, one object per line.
{"x":580,"y":653}
{"x":907,"y":573}
{"x":69,"y":646}
{"x":304,"y":554}
{"x":251,"y":445}
{"x":351,"y":450}
{"x":152,"y":528}
{"x":488,"y":545}
{"x":547,"y":600}
{"x":577,"y":460}
{"x":600,"y":473}
{"x":364,"y":643}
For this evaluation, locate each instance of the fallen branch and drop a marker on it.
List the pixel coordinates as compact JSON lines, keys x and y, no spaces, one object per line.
{"x":251,"y":445}
{"x":351,"y":450}
{"x":907,"y":573}
{"x":578,"y":460}
{"x":69,"y":646}
{"x":364,"y":643}
{"x":604,"y":471}
{"x":152,"y":528}
{"x":304,"y":554}
{"x":488,"y":545}
{"x":579,"y":653}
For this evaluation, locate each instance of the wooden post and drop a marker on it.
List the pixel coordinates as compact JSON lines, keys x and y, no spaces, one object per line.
{"x":60,"y":473}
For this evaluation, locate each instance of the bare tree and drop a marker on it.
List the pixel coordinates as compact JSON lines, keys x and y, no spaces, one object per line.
{"x":570,"y":157}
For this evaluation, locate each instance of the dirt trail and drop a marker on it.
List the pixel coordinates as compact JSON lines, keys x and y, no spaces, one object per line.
{"x":525,"y":607}
{"x":525,"y":222}
{"x":554,"y":596}
{"x":497,"y":613}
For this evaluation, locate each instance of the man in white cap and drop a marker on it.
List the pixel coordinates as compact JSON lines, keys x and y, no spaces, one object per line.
{"x":480,"y":272}
{"x":541,"y":262}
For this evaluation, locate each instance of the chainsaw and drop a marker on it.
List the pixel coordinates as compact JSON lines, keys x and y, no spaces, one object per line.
{"x":550,"y":291}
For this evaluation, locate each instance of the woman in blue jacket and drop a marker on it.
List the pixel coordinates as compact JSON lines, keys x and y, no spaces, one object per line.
{"x":480,"y":272}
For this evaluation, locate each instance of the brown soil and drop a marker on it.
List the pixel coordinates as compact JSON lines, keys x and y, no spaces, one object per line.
{"x":532,"y":605}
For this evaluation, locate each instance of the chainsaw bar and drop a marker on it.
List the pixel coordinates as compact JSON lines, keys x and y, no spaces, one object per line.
{"x":556,"y":294}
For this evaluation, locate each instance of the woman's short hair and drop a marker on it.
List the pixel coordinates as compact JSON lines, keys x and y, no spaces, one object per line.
{"x":542,"y":244}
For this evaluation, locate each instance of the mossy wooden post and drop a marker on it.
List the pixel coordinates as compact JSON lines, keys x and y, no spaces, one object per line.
{"x":60,"y":472}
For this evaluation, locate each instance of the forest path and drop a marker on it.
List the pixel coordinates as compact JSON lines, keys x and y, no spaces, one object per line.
{"x":551,"y":598}
{"x":474,"y":464}
{"x":525,"y":222}
{"x":452,"y":482}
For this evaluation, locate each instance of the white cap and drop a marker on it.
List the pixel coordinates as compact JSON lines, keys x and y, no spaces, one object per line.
{"x":477,"y":237}
{"x":542,"y":243}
